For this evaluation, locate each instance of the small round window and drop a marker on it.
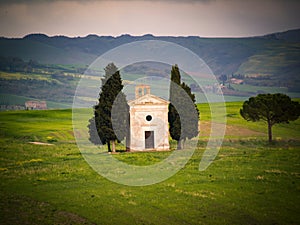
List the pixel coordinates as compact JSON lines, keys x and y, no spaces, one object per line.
{"x":148,"y":118}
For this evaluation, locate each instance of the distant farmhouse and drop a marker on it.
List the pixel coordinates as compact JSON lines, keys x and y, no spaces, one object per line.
{"x":236,"y":81}
{"x":35,"y":105}
{"x":11,"y":107}
{"x":149,"y":128}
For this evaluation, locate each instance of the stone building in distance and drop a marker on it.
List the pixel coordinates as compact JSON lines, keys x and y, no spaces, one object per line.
{"x":35,"y":105}
{"x":149,"y":128}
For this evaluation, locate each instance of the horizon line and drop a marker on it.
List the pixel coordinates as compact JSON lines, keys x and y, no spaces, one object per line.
{"x":146,"y":34}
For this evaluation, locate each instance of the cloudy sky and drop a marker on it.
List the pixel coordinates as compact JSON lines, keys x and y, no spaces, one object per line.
{"x":205,"y":18}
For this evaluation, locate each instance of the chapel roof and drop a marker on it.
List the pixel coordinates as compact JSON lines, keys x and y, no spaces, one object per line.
{"x":148,"y":99}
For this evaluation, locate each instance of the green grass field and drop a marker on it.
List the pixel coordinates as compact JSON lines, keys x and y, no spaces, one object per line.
{"x":249,"y":182}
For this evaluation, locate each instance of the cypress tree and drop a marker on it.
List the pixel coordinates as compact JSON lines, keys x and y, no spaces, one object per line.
{"x":191,"y":118}
{"x":173,"y":116}
{"x":111,"y":93}
{"x":186,"y":126}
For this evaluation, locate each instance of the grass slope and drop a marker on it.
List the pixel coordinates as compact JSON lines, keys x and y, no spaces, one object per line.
{"x":8,"y":99}
{"x":278,"y":60}
{"x":250,"y":181}
{"x":57,"y":90}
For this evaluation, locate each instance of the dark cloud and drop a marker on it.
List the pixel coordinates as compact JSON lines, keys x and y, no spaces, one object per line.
{"x":41,"y":1}
{"x":207,"y":18}
{"x":10,"y":2}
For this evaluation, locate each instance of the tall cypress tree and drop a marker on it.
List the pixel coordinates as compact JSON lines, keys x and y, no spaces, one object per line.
{"x":111,"y":93}
{"x":191,"y":118}
{"x":173,"y":116}
{"x":110,"y":69}
{"x":183,"y":121}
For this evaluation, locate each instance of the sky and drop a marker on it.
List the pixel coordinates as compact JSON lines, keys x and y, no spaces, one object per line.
{"x":204,"y":18}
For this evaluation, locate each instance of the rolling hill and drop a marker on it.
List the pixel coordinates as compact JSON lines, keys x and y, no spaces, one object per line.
{"x":223,"y":55}
{"x":266,"y":63}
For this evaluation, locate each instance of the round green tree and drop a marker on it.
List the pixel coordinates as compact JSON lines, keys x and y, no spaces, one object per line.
{"x":272,"y":108}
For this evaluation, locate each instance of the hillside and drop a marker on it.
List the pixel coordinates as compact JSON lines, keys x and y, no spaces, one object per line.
{"x":223,"y":55}
{"x":52,"y":66}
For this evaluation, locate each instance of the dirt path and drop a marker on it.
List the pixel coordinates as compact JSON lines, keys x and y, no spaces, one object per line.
{"x":39,"y":143}
{"x":231,"y":130}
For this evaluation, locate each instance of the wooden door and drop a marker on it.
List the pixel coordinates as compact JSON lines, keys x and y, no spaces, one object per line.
{"x":149,"y":139}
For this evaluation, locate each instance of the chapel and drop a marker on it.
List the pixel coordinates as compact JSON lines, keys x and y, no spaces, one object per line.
{"x":149,"y":128}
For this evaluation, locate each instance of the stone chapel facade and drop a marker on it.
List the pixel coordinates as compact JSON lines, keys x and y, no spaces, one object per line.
{"x":149,"y":129}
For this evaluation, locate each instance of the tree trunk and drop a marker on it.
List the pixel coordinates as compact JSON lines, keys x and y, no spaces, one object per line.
{"x":108,"y":146}
{"x":183,"y":143}
{"x":179,"y":144}
{"x":270,"y":131}
{"x":113,"y":146}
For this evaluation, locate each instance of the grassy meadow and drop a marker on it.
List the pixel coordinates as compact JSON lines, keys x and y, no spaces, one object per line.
{"x":249,"y":182}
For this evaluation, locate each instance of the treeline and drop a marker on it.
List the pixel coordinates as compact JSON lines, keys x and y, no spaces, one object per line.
{"x":15,"y":64}
{"x":49,"y":90}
